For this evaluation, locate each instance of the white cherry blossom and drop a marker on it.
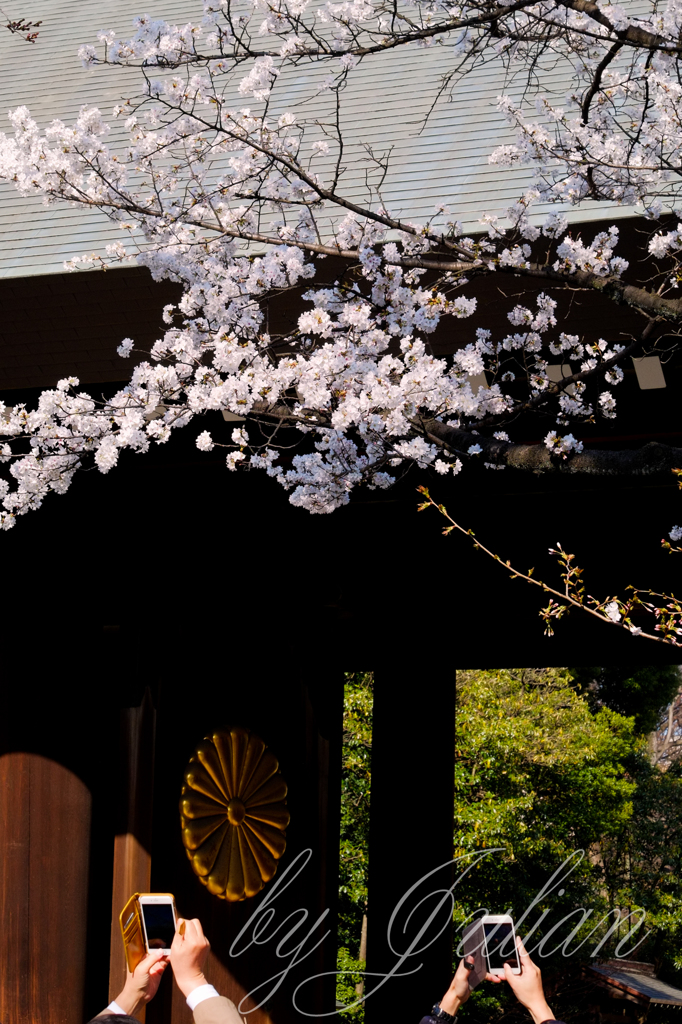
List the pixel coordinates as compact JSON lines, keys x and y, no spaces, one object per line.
{"x":220,"y":188}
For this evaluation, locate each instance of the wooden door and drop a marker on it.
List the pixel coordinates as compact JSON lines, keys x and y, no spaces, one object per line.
{"x":45,"y":815}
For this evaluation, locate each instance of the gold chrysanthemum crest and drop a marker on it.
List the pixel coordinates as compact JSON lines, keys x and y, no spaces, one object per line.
{"x":233,"y":813}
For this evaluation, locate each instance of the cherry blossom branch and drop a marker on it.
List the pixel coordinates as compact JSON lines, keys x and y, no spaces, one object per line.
{"x":355,"y":374}
{"x":19,"y":26}
{"x":648,"y":301}
{"x":634,"y":35}
{"x":614,"y":611}
{"x":471,"y":262}
{"x":499,"y":20}
{"x":653,"y":459}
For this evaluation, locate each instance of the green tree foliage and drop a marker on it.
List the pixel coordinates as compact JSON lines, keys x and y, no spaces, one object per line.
{"x":643,"y":864}
{"x":349,"y":981}
{"x":548,"y":762}
{"x":544,"y":769}
{"x":642,"y":693}
{"x":356,"y":779}
{"x":536,"y":773}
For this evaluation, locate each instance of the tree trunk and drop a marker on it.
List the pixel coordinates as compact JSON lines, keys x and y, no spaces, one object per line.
{"x":360,"y":987}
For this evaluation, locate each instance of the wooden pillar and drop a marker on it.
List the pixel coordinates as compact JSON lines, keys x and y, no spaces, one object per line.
{"x":324,"y":730}
{"x":45,"y":812}
{"x":132,"y":843}
{"x":411,"y":823}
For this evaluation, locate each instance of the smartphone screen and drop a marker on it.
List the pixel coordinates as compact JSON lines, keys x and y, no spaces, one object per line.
{"x":500,"y":945}
{"x":159,"y":924}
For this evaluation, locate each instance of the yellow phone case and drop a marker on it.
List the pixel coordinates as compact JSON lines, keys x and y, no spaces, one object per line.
{"x":131,"y":928}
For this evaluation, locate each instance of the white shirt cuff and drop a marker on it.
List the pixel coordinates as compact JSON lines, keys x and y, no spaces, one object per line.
{"x":115,"y":1008}
{"x":198,"y":994}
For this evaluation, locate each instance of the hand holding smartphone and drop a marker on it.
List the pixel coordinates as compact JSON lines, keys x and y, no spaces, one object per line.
{"x":158,"y":921}
{"x":499,"y":944}
{"x":490,"y":946}
{"x":148,"y":923}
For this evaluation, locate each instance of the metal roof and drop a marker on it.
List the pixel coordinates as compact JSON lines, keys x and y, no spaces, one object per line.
{"x":444,"y":160}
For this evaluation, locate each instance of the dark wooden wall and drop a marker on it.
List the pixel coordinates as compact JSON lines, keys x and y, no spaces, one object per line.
{"x":64,"y":325}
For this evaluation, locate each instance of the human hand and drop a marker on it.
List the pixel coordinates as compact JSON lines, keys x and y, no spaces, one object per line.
{"x":527,"y":986}
{"x":459,"y":990}
{"x":143,"y":984}
{"x":189,"y":951}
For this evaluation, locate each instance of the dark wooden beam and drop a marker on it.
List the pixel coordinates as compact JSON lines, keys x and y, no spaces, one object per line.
{"x":413,"y":750}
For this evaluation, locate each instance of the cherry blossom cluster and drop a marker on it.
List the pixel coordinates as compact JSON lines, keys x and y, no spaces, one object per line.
{"x":242,"y":206}
{"x":616,"y":137}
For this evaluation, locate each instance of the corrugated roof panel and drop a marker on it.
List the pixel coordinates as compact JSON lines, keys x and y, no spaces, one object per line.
{"x":440,"y":160}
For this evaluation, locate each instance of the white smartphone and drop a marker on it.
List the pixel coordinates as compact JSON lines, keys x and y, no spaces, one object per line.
{"x":499,"y":943}
{"x":158,"y":921}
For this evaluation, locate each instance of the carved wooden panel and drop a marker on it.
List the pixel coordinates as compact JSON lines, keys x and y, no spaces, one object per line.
{"x":274,"y":705}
